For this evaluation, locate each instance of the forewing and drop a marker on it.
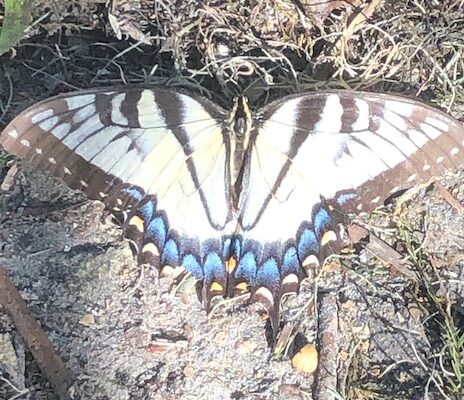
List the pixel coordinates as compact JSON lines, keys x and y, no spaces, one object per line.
{"x":314,"y":155}
{"x":158,"y":154}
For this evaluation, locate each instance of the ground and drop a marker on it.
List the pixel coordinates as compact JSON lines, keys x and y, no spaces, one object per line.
{"x":382,"y":329}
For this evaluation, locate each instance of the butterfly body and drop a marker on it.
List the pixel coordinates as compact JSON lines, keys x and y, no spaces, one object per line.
{"x":242,"y":200}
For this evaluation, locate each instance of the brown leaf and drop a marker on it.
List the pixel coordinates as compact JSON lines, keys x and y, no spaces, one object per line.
{"x":389,"y":256}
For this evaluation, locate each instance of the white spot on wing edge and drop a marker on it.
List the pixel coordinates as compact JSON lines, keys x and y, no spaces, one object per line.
{"x":52,"y":160}
{"x":412,"y":177}
{"x":25,"y":142}
{"x":311,"y":260}
{"x":440,"y":159}
{"x":265,"y":295}
{"x":13,"y":133}
{"x":151,"y":248}
{"x":426,"y":167}
{"x":38,"y":150}
{"x":67,"y":171}
{"x":454,"y":151}
{"x":290,"y":279}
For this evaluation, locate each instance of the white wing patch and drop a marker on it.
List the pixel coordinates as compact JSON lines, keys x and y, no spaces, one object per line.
{"x":149,"y":114}
{"x":362,"y":122}
{"x":13,"y":133}
{"x":430,"y":131}
{"x":418,"y":137}
{"x":331,"y":117}
{"x":111,"y":153}
{"x":88,"y":145}
{"x":443,"y":126}
{"x":402,"y":108}
{"x":61,"y":130}
{"x":78,"y":101}
{"x":116,"y":115}
{"x":90,"y":126}
{"x":84,"y":113}
{"x":41,"y":116}
{"x":404,"y":146}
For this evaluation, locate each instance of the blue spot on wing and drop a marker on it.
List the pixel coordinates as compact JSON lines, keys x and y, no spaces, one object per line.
{"x":291,"y":263}
{"x":147,"y":210}
{"x":308,"y":244}
{"x":170,"y":254}
{"x":231,"y":247}
{"x":213,"y":268}
{"x":345,"y":198}
{"x":191,"y":264}
{"x":246,"y":268}
{"x":322,"y":220}
{"x":157,"y":230}
{"x":226,"y":247}
{"x":134,"y":193}
{"x":268,"y":275}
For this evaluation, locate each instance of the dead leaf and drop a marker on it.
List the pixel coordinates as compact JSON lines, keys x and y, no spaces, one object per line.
{"x":389,"y":256}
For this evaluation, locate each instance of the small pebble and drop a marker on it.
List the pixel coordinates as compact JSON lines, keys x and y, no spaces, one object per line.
{"x":306,"y":359}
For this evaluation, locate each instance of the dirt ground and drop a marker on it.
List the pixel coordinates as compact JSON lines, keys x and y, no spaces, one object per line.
{"x":382,"y":330}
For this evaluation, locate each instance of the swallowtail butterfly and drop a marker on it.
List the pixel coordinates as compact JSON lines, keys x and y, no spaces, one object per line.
{"x":242,"y":200}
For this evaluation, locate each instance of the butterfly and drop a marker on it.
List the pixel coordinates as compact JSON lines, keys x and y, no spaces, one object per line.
{"x":244,"y":201}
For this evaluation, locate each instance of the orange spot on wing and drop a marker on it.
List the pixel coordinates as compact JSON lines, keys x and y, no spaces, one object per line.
{"x":216,"y":287}
{"x":137,"y":222}
{"x":231,"y":264}
{"x":242,"y":287}
{"x":329,"y":236}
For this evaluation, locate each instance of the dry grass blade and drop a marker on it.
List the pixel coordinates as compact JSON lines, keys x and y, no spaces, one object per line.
{"x":360,"y":18}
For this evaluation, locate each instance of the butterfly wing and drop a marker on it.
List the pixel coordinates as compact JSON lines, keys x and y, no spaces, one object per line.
{"x":157,"y":153}
{"x":314,"y":155}
{"x":165,"y":157}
